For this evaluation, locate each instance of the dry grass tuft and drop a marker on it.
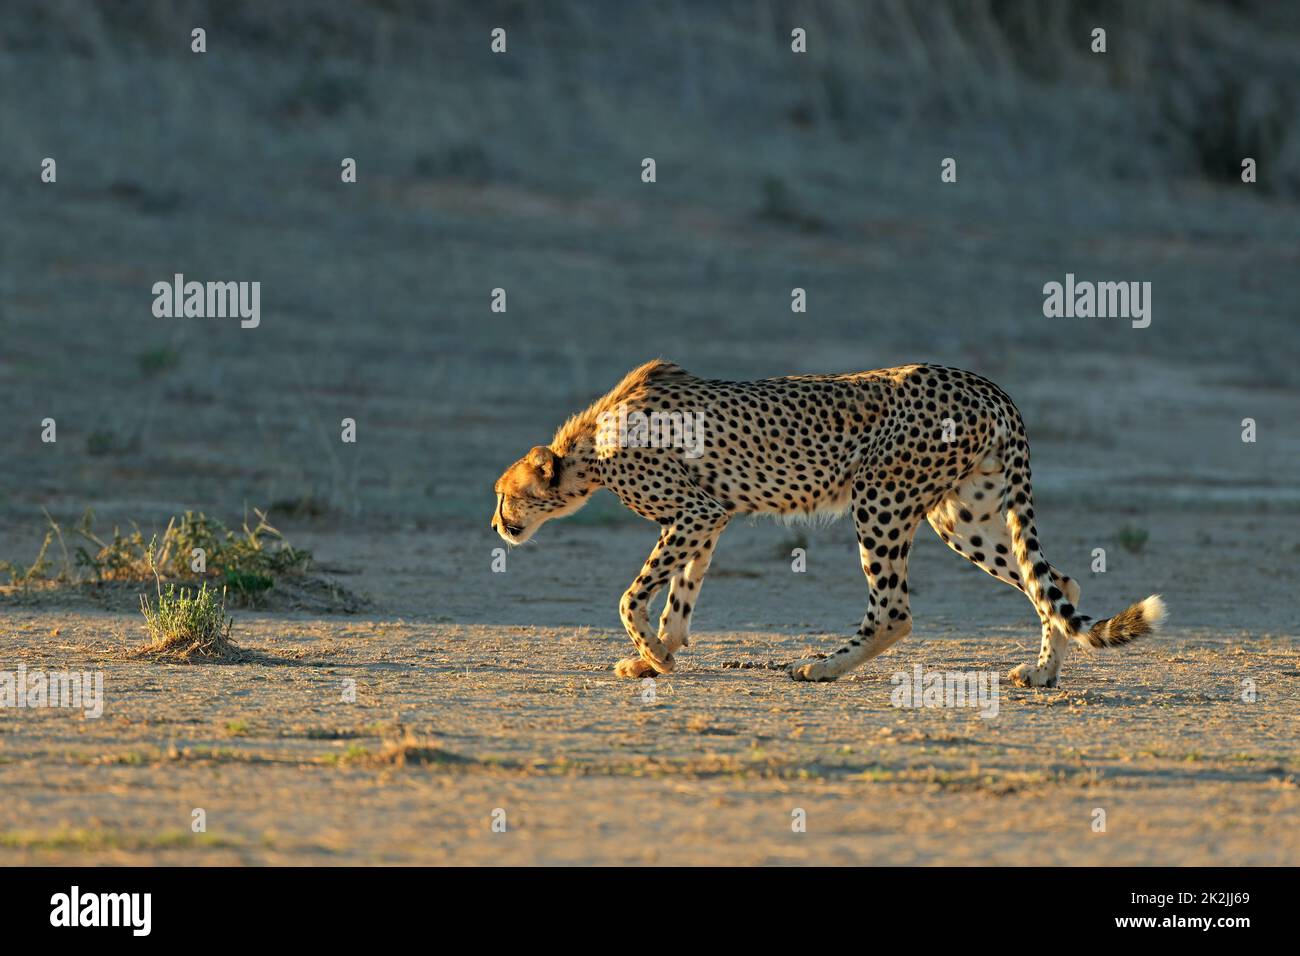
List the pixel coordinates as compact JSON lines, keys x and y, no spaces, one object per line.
{"x":404,"y":751}
{"x":188,"y":627}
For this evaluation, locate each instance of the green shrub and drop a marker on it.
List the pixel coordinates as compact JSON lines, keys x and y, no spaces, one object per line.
{"x":188,"y":624}
{"x":1133,"y":539}
{"x":158,"y":360}
{"x":248,"y":560}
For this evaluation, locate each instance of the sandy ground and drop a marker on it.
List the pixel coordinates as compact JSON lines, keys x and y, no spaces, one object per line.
{"x":520,"y":713}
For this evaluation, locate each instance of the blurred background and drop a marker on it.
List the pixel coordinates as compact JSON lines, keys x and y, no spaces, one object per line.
{"x":522,"y":171}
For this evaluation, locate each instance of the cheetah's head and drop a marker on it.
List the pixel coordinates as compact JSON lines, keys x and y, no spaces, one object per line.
{"x":538,"y":487}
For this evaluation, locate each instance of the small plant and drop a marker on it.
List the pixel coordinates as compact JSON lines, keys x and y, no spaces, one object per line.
{"x":107,"y":441}
{"x":1218,"y":119}
{"x":797,"y":539}
{"x":247,"y":561}
{"x":401,"y":750}
{"x":323,"y":91}
{"x":247,"y":584}
{"x":158,"y":360}
{"x":778,"y":206}
{"x":468,"y":162}
{"x":1133,"y":540}
{"x":355,"y":753}
{"x":247,"y":564}
{"x":414,"y":751}
{"x":260,"y":551}
{"x":188,"y":625}
{"x":835,"y":89}
{"x":305,"y":507}
{"x":39,"y":569}
{"x":122,"y":559}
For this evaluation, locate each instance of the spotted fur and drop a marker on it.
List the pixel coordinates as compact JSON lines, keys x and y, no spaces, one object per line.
{"x":892,"y":447}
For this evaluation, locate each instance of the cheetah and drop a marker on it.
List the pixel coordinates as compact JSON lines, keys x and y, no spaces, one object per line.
{"x":891,"y":447}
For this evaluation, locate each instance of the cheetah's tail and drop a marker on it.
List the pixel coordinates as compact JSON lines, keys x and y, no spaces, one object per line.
{"x":1126,"y":626}
{"x":1136,"y":620}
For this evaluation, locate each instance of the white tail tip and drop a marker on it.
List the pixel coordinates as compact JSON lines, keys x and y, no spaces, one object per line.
{"x":1153,"y":609}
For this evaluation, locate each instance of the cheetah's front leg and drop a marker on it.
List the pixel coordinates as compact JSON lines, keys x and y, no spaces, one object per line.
{"x":674,"y":623}
{"x":634,"y":608}
{"x":682,"y":556}
{"x":684,"y":593}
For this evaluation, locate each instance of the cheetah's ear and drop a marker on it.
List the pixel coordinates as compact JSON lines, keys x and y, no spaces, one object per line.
{"x":546,"y":463}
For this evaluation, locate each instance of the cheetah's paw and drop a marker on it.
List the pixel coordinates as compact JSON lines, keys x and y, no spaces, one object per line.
{"x":1030,"y":675}
{"x":815,"y":669}
{"x":634,"y":667}
{"x":638,"y":667}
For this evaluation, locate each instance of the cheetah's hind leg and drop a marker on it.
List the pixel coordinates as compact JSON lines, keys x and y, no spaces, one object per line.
{"x":884,"y":538}
{"x":971,"y":521}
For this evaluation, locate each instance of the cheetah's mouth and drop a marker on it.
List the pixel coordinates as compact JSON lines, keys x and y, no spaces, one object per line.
{"x":515,"y":535}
